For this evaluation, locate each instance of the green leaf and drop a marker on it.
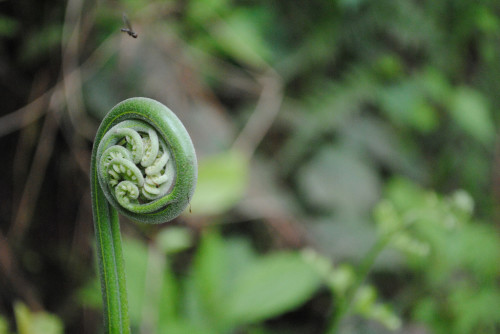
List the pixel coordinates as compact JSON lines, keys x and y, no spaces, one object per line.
{"x":470,"y":110}
{"x":8,"y":27}
{"x":210,"y":268}
{"x":384,"y":314}
{"x":342,"y":279}
{"x":426,"y":310}
{"x":475,"y":309}
{"x":36,"y":322}
{"x":168,"y":307}
{"x":217,"y":264}
{"x":240,"y":37}
{"x":183,"y":327}
{"x":486,"y":19}
{"x":239,"y":255}
{"x":404,"y":194}
{"x":479,"y":250}
{"x":135,"y":255}
{"x":365,"y":299}
{"x":151,"y":286}
{"x":271,"y":286}
{"x":366,"y":305}
{"x":90,"y":294}
{"x":202,"y":12}
{"x":222,"y":180}
{"x":4,"y":325}
{"x":174,"y":239}
{"x":389,"y":66}
{"x":406,"y":104}
{"x":338,"y":279}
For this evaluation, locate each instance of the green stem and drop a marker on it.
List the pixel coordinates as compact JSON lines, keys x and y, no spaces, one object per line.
{"x":344,"y":304}
{"x":143,"y":166}
{"x":110,"y":262}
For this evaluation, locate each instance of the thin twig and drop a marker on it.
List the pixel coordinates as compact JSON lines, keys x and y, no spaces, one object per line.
{"x":37,"y":171}
{"x":32,"y":111}
{"x":27,"y":140}
{"x":262,"y":118}
{"x":346,"y":303}
{"x":73,"y":83}
{"x":25,"y":115}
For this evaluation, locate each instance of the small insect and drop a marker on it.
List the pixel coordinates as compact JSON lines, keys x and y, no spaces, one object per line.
{"x":189,"y":204}
{"x":128,"y":26}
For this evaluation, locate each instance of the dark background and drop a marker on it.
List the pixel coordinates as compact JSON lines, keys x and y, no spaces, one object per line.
{"x":319,"y":126}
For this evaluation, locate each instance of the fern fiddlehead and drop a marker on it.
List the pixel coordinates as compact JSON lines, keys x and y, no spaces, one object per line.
{"x":143,"y":166}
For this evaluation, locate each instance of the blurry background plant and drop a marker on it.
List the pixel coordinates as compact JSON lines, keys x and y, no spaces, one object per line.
{"x":336,"y":139}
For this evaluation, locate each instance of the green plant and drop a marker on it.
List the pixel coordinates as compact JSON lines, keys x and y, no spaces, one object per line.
{"x":29,"y":322}
{"x":143,"y":166}
{"x":455,"y":256}
{"x":32,"y":322}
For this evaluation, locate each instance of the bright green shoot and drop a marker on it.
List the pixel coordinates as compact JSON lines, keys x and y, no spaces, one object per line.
{"x":143,"y":166}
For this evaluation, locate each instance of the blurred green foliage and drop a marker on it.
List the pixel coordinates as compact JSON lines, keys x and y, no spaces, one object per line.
{"x":32,"y":322}
{"x":8,"y":26}
{"x":228,"y":286}
{"x":455,"y":256}
{"x":226,"y":172}
{"x":382,"y":159}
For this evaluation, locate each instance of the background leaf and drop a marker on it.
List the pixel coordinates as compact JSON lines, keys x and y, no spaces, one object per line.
{"x":470,"y":111}
{"x":270,"y":286}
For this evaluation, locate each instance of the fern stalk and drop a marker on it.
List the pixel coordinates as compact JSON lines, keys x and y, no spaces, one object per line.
{"x":143,"y":166}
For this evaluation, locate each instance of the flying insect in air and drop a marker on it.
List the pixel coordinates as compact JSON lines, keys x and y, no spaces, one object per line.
{"x":128,"y":26}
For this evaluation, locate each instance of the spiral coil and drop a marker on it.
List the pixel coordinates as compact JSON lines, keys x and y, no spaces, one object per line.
{"x":146,"y":164}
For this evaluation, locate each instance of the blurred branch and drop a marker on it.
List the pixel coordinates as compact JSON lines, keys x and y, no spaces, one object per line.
{"x":35,"y":109}
{"x":27,"y":141}
{"x":265,"y":113}
{"x":37,"y":171}
{"x":73,"y":83}
{"x":25,"y":115}
{"x":181,"y":53}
